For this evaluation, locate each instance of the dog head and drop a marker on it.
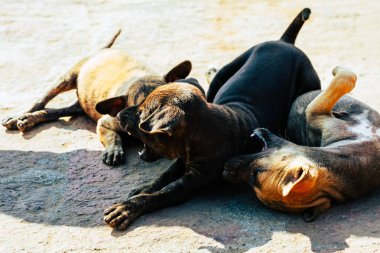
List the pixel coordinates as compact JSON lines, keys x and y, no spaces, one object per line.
{"x":138,"y":92}
{"x":141,"y":88}
{"x":162,"y":120}
{"x":283,"y":175}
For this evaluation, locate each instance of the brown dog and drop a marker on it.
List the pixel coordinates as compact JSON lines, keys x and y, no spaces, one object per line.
{"x":108,"y":79}
{"x":176,"y":121}
{"x":341,"y":162}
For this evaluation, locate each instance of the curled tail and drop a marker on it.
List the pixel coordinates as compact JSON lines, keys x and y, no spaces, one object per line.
{"x":113,"y":39}
{"x":291,"y":32}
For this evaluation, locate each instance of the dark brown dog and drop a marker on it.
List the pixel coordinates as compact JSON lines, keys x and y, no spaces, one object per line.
{"x":176,"y":121}
{"x":111,"y":75}
{"x":341,"y":162}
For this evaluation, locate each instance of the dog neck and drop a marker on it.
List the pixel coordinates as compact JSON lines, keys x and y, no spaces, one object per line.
{"x":223,"y":125}
{"x":215,"y":134}
{"x":346,"y":176}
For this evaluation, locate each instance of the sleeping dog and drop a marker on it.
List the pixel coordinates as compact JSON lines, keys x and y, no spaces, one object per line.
{"x":109,"y":80}
{"x":175,"y":120}
{"x":335,"y":155}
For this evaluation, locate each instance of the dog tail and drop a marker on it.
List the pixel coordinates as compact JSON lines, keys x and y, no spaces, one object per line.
{"x":113,"y":39}
{"x":292,"y":31}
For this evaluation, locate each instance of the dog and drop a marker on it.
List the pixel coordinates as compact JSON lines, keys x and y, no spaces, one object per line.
{"x":109,"y":79}
{"x":335,"y":155}
{"x":176,"y":120}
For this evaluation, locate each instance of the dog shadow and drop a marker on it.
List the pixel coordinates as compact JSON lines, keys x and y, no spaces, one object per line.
{"x":73,"y":123}
{"x":74,"y":188}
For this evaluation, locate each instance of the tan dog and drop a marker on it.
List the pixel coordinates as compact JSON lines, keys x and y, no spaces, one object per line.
{"x":337,"y":157}
{"x":110,"y":78}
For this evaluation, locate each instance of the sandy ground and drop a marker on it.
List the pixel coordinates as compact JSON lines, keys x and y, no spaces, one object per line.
{"x":53,"y":186}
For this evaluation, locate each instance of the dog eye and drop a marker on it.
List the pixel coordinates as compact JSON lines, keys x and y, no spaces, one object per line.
{"x":254,"y":177}
{"x":255,"y":173}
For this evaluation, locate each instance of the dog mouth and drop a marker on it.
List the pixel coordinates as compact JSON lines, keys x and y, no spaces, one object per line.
{"x":148,"y":155}
{"x":234,"y":169}
{"x":229,"y":175}
{"x":126,"y":127}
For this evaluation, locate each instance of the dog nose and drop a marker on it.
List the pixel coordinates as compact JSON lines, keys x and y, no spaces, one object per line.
{"x":229,"y":173}
{"x":232,"y":165}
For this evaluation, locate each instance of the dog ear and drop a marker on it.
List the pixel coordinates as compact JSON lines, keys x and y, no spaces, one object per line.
{"x":299,"y":179}
{"x":163,"y":120}
{"x":180,"y":71}
{"x":112,"y":106}
{"x":194,"y":82}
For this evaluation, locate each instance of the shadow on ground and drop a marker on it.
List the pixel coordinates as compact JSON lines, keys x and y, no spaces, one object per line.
{"x":73,"y":188}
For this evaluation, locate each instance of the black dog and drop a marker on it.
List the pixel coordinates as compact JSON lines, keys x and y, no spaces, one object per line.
{"x":175,"y":120}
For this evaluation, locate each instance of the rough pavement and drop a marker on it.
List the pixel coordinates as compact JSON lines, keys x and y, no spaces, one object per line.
{"x":53,"y":186}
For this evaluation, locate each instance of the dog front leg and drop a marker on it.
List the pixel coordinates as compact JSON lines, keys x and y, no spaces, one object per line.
{"x":112,"y":142}
{"x":122,"y":214}
{"x":175,"y":171}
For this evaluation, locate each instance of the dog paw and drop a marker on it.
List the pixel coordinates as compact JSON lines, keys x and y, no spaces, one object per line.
{"x":210,"y":74}
{"x":10,"y":123}
{"x":120,"y":215}
{"x":26,"y":121}
{"x":113,"y":155}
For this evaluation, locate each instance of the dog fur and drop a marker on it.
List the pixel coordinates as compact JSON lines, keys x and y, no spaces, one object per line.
{"x":175,"y":120}
{"x":334,"y":156}
{"x":110,"y":78}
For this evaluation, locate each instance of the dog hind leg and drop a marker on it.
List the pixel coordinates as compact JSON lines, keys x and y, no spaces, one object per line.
{"x":30,"y":119}
{"x":210,"y":74}
{"x":343,"y":82}
{"x":319,"y":115}
{"x":225,"y":73}
{"x":65,"y":83}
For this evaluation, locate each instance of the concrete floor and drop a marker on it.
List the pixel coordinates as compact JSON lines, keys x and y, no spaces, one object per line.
{"x":53,"y":186}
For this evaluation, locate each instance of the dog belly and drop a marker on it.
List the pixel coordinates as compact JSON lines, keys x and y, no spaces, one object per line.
{"x":103,"y":76}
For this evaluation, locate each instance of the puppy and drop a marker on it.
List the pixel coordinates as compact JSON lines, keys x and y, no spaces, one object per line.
{"x":176,"y":121}
{"x":336,"y":159}
{"x":109,"y":79}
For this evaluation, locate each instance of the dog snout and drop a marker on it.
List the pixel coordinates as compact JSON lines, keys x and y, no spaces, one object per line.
{"x":232,"y":165}
{"x":234,"y":169}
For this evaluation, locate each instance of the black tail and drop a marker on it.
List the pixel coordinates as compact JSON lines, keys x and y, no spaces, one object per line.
{"x":113,"y":39}
{"x":291,"y":33}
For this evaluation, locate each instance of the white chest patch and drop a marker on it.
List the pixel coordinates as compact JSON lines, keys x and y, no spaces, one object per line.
{"x":364,"y":129}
